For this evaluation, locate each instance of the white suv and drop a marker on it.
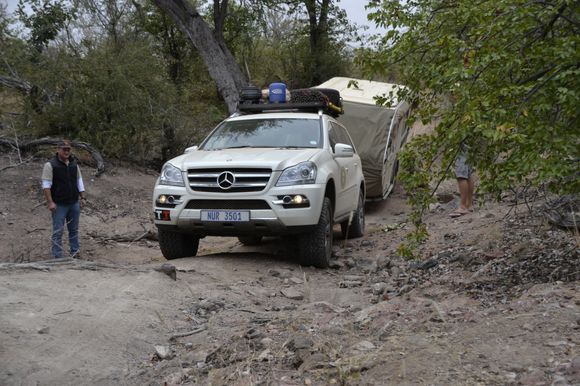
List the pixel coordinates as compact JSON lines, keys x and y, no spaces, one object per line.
{"x":265,"y":173}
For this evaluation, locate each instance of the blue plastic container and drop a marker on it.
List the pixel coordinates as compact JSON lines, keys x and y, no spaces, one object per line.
{"x":277,"y":93}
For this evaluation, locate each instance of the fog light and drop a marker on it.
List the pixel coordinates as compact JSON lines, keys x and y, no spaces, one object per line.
{"x":292,"y":201}
{"x":298,"y":200}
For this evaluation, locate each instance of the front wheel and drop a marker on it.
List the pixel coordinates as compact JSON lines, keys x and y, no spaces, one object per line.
{"x":175,"y":245}
{"x":357,"y":223}
{"x":316,"y":246}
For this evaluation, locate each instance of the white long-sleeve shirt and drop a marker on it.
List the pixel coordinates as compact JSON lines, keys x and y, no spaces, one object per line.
{"x":47,"y":178}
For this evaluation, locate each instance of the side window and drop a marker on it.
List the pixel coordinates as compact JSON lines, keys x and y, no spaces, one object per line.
{"x":332,"y":135}
{"x":342,"y":135}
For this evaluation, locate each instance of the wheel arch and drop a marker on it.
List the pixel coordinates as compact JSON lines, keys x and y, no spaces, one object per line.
{"x":330,"y":192}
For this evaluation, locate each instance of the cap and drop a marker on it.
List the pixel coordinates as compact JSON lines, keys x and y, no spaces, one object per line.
{"x":65,"y":143}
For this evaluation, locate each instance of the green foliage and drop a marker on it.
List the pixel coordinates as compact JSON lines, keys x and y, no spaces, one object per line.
{"x":120,"y":75}
{"x":45,"y":21}
{"x":169,"y":40}
{"x":500,"y":76}
{"x":298,"y":50}
{"x":114,"y":87}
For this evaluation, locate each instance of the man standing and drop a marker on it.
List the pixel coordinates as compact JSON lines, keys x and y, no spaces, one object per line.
{"x":64,"y":191}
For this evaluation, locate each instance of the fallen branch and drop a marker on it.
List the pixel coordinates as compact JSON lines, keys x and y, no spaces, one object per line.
{"x":38,"y":97}
{"x":563,"y":211}
{"x":34,"y":230}
{"x":27,"y":145}
{"x":11,"y":166}
{"x":144,"y":235}
{"x":37,"y":266}
{"x":149,"y":235}
{"x":63,"y":312}
{"x":188,"y":333}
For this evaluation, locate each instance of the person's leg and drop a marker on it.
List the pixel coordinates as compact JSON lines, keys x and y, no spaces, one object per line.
{"x":470,"y":190}
{"x":72,"y":221}
{"x":464,"y":194}
{"x":58,"y":219}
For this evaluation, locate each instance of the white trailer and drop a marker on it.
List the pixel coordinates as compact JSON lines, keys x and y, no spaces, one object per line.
{"x":378,"y":132}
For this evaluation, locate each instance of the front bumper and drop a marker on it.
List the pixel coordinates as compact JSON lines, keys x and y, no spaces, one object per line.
{"x":271,"y":218}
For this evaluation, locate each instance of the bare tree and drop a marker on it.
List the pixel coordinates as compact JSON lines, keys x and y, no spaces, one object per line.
{"x":210,"y":44}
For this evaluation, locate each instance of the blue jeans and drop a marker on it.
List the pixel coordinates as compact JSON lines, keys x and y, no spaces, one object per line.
{"x":68,"y":214}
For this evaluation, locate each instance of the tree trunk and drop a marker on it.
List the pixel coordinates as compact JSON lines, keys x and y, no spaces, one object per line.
{"x":38,"y":98}
{"x":318,"y":27}
{"x":218,"y":59}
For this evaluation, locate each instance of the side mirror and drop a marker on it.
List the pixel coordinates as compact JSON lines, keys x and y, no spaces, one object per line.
{"x":190,"y":149}
{"x":343,"y":150}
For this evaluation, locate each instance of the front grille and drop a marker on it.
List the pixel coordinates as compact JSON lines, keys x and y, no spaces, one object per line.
{"x":234,"y":180}
{"x":227,"y":204}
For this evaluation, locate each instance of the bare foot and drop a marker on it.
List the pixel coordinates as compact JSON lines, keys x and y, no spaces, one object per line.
{"x":459,"y":212}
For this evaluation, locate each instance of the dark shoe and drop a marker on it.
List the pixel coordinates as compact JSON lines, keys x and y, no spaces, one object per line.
{"x":76,"y":255}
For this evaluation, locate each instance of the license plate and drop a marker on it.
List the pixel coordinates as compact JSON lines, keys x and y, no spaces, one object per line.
{"x":225,"y":215}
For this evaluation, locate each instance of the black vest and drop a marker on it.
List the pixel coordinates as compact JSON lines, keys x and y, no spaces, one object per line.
{"x":64,"y":188}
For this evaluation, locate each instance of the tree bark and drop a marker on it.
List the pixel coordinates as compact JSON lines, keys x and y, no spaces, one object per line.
{"x":219,"y":61}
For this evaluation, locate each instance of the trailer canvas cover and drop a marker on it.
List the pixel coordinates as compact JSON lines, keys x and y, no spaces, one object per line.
{"x":377,"y":132}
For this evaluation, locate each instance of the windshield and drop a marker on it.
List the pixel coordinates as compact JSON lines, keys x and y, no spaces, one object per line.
{"x":269,"y":132}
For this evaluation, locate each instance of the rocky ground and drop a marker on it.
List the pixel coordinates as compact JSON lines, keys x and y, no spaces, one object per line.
{"x":494,"y":299}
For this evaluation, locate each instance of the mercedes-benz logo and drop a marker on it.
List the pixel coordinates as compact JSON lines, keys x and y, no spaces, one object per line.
{"x":226,"y":180}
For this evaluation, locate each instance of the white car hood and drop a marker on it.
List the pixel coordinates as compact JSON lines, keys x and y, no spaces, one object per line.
{"x":275,"y":159}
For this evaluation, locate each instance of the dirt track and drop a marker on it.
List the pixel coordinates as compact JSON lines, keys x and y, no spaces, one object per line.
{"x":495,"y":300}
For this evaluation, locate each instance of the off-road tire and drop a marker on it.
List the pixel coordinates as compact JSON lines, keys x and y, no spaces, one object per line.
{"x":176,"y":245}
{"x":250,"y":240}
{"x":315,"y":247}
{"x":357,"y":225}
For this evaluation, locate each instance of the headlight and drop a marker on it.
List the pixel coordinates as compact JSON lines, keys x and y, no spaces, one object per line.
{"x":171,"y":175}
{"x":303,"y":173}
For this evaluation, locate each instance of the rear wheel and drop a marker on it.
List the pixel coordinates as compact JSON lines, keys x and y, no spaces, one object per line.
{"x":316,"y":246}
{"x":357,"y":224}
{"x":250,"y":240}
{"x":175,"y":245}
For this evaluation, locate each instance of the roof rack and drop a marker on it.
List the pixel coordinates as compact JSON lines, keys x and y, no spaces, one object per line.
{"x":305,"y":106}
{"x":309,"y":100}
